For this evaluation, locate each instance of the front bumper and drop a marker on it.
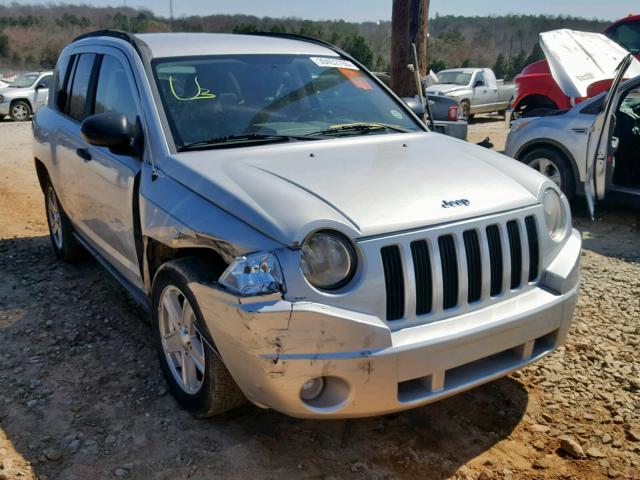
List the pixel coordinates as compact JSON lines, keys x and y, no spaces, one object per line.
{"x":272,"y":346}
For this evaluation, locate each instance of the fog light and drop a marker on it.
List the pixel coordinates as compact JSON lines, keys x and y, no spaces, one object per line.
{"x":312,"y":389}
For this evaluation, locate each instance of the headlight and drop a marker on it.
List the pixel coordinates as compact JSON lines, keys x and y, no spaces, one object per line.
{"x":328,"y":260}
{"x":254,"y":274}
{"x":554,"y":214}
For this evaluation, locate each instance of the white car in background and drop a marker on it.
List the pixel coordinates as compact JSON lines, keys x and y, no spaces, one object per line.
{"x":25,"y":95}
{"x":476,"y":90}
{"x":595,"y":144}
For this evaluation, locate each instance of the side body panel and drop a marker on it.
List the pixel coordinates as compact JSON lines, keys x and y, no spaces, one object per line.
{"x":570,"y":130}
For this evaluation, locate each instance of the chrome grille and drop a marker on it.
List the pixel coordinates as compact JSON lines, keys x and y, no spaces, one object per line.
{"x":449,"y":260}
{"x":460,"y":268}
{"x":422,"y":271}
{"x":534,"y":249}
{"x":474,"y":265}
{"x":394,"y":283}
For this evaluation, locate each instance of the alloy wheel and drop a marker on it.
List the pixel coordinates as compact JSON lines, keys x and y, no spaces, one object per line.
{"x":55,"y":220}
{"x":548,"y":168}
{"x":182,"y":344}
{"x":20,"y":111}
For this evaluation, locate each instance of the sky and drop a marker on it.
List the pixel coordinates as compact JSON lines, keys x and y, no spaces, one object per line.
{"x":373,"y":10}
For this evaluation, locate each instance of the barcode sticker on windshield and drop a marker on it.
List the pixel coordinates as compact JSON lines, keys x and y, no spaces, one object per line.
{"x":329,"y":62}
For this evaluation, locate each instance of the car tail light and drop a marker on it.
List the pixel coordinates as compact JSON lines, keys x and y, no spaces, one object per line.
{"x":454,"y":113}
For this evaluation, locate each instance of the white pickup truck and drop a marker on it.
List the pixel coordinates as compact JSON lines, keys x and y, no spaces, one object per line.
{"x":475,"y":89}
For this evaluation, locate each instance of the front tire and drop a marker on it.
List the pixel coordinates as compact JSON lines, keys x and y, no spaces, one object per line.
{"x":554,"y":166}
{"x":65,"y":245}
{"x":195,"y":374}
{"x":20,"y":111}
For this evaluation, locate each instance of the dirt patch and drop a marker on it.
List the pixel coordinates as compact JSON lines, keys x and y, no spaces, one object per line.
{"x":82,"y":397}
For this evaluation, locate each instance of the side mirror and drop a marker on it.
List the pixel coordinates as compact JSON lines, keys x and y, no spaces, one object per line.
{"x":111,"y":130}
{"x":40,"y":86}
{"x":415,"y":105}
{"x":479,"y":83}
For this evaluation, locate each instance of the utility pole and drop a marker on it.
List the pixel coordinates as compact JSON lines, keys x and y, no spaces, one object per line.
{"x":171,"y":14}
{"x":409,"y":24}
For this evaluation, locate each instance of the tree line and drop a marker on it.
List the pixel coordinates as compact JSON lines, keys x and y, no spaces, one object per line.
{"x":32,"y":36}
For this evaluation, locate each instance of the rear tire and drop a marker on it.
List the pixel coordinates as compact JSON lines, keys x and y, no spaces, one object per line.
{"x":466,"y":107}
{"x":20,"y":111}
{"x":555,"y":166}
{"x":65,"y":245}
{"x":195,"y":374}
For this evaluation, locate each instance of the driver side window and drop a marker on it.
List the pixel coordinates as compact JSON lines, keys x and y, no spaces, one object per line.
{"x":113,"y":91}
{"x":479,"y":80}
{"x":45,"y":81}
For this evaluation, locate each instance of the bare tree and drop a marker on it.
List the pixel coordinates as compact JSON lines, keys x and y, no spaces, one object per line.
{"x":409,"y":24}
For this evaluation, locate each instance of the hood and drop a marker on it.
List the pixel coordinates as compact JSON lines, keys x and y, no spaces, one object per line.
{"x":14,"y":91}
{"x":362,"y":186}
{"x":579,"y":59}
{"x":445,"y":88}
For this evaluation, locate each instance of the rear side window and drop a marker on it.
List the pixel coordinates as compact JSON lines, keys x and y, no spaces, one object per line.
{"x":80,"y":86}
{"x":62,"y":99}
{"x":59,"y":77}
{"x":113,"y":93}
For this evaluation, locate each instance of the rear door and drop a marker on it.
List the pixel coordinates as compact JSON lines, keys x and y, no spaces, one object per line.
{"x":602,"y":143}
{"x":70,"y":149}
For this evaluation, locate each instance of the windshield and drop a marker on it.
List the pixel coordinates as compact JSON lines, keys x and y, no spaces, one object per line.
{"x":455,"y":78}
{"x":25,"y":80}
{"x":229,"y":96}
{"x":627,"y":35}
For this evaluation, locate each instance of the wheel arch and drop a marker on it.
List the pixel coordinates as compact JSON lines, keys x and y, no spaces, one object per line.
{"x":552,"y":145}
{"x":535,"y":100}
{"x":22,"y":99}
{"x":41,"y":172}
{"x":157,"y":253}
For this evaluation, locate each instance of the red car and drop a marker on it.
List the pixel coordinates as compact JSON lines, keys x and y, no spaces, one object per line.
{"x":537,"y":90}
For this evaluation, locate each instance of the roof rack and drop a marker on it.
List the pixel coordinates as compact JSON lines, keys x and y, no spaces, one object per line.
{"x":114,"y":33}
{"x":304,"y":38}
{"x":110,"y":32}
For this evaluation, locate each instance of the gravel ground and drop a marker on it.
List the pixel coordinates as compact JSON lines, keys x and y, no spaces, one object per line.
{"x":81,"y":395}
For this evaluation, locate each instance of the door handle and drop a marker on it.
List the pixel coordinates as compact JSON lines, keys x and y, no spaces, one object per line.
{"x":84,"y":154}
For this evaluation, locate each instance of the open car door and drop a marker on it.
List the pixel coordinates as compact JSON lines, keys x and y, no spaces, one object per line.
{"x":577,"y":60}
{"x":602,"y":143}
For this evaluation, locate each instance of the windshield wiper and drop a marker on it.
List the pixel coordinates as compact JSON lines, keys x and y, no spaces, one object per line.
{"x":241,"y":139}
{"x":360,"y":127}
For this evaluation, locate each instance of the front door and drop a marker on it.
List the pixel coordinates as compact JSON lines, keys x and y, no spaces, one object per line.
{"x":484,"y":96}
{"x":602,"y":144}
{"x":42,"y":92}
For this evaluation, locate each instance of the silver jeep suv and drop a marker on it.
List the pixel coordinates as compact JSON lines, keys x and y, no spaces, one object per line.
{"x":298,"y":236}
{"x":25,"y":95}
